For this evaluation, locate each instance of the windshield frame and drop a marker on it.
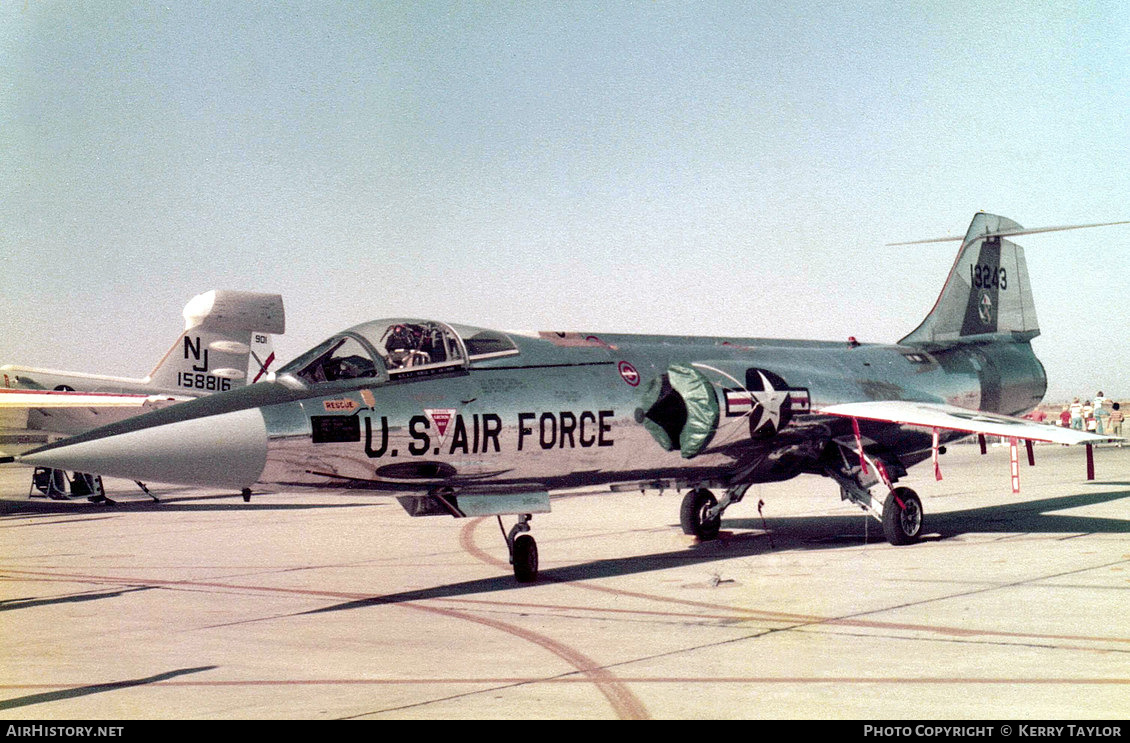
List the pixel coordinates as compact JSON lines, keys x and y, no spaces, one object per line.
{"x":323,"y":352}
{"x":373,"y":336}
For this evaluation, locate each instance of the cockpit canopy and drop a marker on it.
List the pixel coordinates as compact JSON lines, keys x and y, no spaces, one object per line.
{"x":390,"y":349}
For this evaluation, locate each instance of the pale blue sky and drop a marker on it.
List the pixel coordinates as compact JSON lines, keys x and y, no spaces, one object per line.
{"x":697,"y":168}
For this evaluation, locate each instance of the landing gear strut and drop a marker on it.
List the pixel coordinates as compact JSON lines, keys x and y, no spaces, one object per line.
{"x":54,"y":483}
{"x":523,"y":549}
{"x":900,"y":513}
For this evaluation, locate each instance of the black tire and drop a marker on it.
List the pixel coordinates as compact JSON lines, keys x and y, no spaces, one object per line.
{"x":525,"y":558}
{"x":693,"y":514}
{"x":902,"y":524}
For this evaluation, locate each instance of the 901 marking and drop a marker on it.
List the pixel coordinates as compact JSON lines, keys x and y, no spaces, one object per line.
{"x":986,"y":277}
{"x":209,"y":382}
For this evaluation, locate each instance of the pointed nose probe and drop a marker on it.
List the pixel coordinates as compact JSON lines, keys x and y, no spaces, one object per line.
{"x":223,"y":450}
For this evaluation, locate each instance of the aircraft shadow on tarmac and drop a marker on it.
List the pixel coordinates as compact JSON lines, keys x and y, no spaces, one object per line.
{"x":783,"y":533}
{"x":74,"y":598}
{"x":1023,"y":516}
{"x":799,"y":532}
{"x":196,"y":503}
{"x":82,"y":691}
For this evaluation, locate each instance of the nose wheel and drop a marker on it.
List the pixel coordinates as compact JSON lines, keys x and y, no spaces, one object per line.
{"x":523,"y":549}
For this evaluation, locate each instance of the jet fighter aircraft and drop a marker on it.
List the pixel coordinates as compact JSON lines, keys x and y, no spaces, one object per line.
{"x":463,"y":421}
{"x":226,"y":344}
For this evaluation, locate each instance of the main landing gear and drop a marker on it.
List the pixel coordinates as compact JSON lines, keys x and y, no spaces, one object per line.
{"x":523,"y":549}
{"x":58,"y":485}
{"x":900,"y":512}
{"x":902,"y":516}
{"x":701,"y":513}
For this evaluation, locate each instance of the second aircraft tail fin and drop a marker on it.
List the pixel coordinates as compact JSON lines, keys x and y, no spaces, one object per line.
{"x":226,"y":342}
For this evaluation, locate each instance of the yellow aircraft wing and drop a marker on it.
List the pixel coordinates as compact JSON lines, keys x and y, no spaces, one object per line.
{"x":11,"y":398}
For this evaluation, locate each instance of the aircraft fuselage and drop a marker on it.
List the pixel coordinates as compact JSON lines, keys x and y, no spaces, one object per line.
{"x":567,"y":416}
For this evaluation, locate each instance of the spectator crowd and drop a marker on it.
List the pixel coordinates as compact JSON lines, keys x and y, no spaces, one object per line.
{"x":1099,"y":415}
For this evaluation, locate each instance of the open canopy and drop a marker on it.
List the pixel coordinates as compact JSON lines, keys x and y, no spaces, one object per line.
{"x":387,"y":349}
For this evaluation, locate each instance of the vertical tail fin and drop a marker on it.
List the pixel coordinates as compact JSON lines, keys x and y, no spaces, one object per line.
{"x":987,"y":292}
{"x":226,"y":342}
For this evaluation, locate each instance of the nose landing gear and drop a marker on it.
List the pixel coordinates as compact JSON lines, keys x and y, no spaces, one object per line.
{"x":523,"y":549}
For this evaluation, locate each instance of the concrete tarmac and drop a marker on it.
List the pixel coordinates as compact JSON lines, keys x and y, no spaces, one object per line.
{"x":339,"y":605}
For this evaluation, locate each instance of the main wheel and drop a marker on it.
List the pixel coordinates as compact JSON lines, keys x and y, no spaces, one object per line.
{"x":694,"y":514}
{"x":525,"y":558}
{"x":902,"y":516}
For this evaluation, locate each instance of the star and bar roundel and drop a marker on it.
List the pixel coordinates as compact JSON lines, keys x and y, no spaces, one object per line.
{"x":767,"y":400}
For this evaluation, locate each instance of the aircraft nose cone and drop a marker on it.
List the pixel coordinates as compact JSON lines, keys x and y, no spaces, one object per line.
{"x":224,"y":450}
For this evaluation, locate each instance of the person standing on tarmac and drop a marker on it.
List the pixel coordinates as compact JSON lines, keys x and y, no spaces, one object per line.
{"x":1077,"y":415}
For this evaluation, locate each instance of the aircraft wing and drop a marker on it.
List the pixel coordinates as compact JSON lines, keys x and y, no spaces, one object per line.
{"x":65,"y":413}
{"x":26,"y":399}
{"x":953,"y":418}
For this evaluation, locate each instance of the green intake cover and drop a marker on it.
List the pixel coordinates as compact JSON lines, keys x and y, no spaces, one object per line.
{"x":702,"y":408}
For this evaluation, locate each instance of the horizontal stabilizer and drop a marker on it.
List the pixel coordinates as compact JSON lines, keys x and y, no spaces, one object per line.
{"x":230,"y":310}
{"x":1010,"y":233}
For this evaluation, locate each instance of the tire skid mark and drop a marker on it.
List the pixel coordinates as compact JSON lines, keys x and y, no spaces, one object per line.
{"x":613,"y":687}
{"x":717,"y":610}
{"x":623,"y":701}
{"x":188,"y":584}
{"x":618,"y":694}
